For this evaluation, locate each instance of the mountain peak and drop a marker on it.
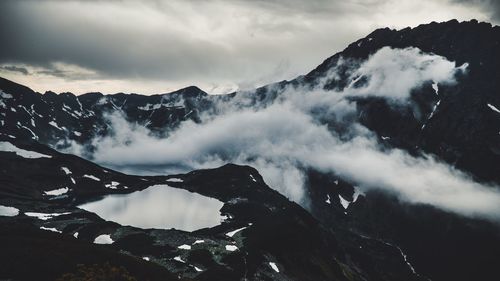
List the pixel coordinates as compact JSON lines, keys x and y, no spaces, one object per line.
{"x":189,"y":91}
{"x":457,"y":41}
{"x":14,"y":88}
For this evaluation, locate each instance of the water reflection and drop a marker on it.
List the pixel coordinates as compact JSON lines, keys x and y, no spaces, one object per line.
{"x":159,"y":206}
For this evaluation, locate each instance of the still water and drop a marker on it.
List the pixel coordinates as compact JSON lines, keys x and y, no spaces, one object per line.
{"x":159,"y":206}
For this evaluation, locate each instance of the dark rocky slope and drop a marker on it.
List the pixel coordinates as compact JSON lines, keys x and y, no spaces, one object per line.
{"x":277,"y":230}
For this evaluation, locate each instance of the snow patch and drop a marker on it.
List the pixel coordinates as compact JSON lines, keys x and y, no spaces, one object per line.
{"x":175,"y":180}
{"x":432,"y":113}
{"x":344,"y":202}
{"x":178,"y":258}
{"x":492,"y":107}
{"x":274,"y":266}
{"x":184,"y":247}
{"x":231,"y":248}
{"x":232,"y":233}
{"x":54,"y":124}
{"x":112,"y":185}
{"x":198,"y":242}
{"x":5,"y":95}
{"x":56,"y":192}
{"x":7,"y":146}
{"x":197,"y":269}
{"x":34,"y":136}
{"x":252,"y":178}
{"x":7,"y":211}
{"x":328,"y":199}
{"x":45,"y":216}
{"x":436,"y":88}
{"x":434,"y":109}
{"x":50,"y":229}
{"x":75,"y":235}
{"x":66,"y":170}
{"x":69,"y":110}
{"x":92,"y":177}
{"x":103,"y":239}
{"x":405,"y":257}
{"x":149,"y":106}
{"x":24,"y":108}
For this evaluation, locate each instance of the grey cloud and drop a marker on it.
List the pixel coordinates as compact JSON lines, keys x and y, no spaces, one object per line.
{"x":41,"y":33}
{"x":491,"y":7}
{"x":196,"y":42}
{"x":53,"y":72}
{"x":14,"y":68}
{"x":124,"y":42}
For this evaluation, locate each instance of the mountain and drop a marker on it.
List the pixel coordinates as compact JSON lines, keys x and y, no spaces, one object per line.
{"x":341,"y":233}
{"x":464,"y":129}
{"x":268,"y":228}
{"x":51,"y":117}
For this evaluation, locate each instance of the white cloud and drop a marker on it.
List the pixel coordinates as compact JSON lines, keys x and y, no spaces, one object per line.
{"x":413,"y":179}
{"x":411,"y":68}
{"x":283,"y":137}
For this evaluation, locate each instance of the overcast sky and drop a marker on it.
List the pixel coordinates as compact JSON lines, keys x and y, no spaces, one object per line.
{"x":159,"y":46}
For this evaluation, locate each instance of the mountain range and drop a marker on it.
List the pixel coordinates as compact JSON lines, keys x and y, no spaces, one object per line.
{"x":426,"y":97}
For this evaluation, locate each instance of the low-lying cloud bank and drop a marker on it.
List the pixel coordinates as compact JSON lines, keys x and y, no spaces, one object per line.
{"x":285,"y":136}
